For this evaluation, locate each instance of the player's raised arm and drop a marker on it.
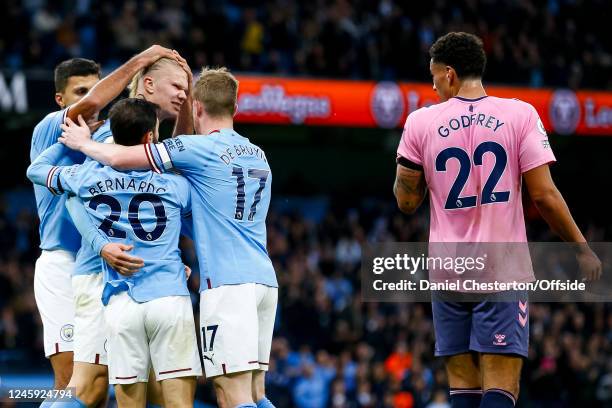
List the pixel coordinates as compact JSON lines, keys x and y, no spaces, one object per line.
{"x":113,"y":84}
{"x":77,"y":136}
{"x":409,"y":188}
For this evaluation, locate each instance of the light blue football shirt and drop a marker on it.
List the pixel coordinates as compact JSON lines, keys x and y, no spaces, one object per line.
{"x":56,"y":228}
{"x":141,"y":208}
{"x":231,"y":187}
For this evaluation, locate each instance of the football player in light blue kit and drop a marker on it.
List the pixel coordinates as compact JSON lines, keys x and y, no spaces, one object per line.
{"x":148,"y":314}
{"x":231,"y":183}
{"x":58,"y":294}
{"x":59,"y":240}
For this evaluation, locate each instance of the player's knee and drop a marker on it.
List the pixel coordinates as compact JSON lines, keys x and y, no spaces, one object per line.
{"x":220,"y":394}
{"x":177,"y":400}
{"x":463,"y":372}
{"x":93,"y":392}
{"x":258,"y":386}
{"x":91,"y":385}
{"x":62,"y":369}
{"x":502,"y":372}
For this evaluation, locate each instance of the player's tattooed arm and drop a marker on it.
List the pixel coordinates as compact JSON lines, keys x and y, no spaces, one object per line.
{"x":77,"y":136}
{"x":113,"y":84}
{"x":409,"y":188}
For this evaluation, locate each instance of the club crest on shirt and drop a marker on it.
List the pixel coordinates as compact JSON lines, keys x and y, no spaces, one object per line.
{"x":67,"y":332}
{"x":541,"y":127}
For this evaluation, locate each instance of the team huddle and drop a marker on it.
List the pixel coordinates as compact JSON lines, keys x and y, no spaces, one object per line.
{"x":119,"y":311}
{"x":110,"y":284}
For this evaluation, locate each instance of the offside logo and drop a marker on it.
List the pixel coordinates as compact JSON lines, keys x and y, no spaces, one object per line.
{"x":564,"y":112}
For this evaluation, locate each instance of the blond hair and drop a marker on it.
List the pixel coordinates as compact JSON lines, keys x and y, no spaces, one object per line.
{"x":217,"y":90}
{"x":156,"y":66}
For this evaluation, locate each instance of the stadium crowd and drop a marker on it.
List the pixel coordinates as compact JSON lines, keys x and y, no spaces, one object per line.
{"x":532,"y":42}
{"x":331,"y":349}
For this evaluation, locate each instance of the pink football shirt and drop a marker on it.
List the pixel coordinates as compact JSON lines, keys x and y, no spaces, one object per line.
{"x":473,"y":152}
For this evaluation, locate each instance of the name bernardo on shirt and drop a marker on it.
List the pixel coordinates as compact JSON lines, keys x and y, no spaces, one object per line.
{"x":124,"y":184}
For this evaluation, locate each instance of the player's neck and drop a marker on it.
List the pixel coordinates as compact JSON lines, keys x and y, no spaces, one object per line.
{"x":209,"y":125}
{"x":471,"y":89}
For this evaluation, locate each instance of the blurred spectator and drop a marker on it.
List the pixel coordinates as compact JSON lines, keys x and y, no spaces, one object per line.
{"x":555,"y":43}
{"x":332,"y":350}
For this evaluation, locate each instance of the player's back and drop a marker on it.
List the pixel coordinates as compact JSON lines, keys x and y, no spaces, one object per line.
{"x":473,"y":153}
{"x":231,"y":187}
{"x":144,"y":209}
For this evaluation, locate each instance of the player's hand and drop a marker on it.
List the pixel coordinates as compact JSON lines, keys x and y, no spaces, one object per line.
{"x":74,"y":135}
{"x":153,"y":53}
{"x":94,"y":125}
{"x":183,"y":63}
{"x":116,"y":256}
{"x":589,"y":263}
{"x":187,"y":272}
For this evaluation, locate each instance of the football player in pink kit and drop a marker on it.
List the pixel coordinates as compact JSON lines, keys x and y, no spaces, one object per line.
{"x":472,"y":151}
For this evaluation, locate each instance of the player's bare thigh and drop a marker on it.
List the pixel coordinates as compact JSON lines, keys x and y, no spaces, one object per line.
{"x":62,"y":368}
{"x":131,"y":395}
{"x":501,"y":371}
{"x":233,"y":389}
{"x":463,"y":371}
{"x":258,"y":385}
{"x":179,"y":392}
{"x":90,"y":381}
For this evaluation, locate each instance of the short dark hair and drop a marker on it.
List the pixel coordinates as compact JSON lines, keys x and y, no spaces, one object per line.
{"x":74,"y":67}
{"x":131,"y":119}
{"x":461,"y":51}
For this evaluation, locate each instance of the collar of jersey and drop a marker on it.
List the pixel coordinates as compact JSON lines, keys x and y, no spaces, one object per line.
{"x":232,"y":131}
{"x":468,"y":99}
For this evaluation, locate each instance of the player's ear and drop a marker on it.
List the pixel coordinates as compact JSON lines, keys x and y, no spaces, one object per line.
{"x":59,"y":99}
{"x":235,"y":109}
{"x":197,"y":108}
{"x":147,"y":138}
{"x":148,"y":86}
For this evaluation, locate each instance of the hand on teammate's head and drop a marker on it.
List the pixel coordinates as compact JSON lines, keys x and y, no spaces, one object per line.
{"x":155,"y":52}
{"x":183,"y":63}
